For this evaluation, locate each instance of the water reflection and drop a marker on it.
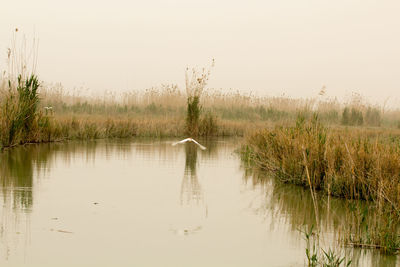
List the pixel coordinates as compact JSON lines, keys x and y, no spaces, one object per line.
{"x":19,"y":166}
{"x":284,"y":209}
{"x":190,"y":187}
{"x":16,"y":178}
{"x":293,"y":205}
{"x":191,"y":190}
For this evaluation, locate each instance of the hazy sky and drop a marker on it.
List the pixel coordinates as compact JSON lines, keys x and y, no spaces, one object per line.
{"x":268,"y":47}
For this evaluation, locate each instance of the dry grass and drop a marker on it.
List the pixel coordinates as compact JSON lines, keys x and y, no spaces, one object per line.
{"x":168,"y":99}
{"x":163,"y":112}
{"x":355,"y":164}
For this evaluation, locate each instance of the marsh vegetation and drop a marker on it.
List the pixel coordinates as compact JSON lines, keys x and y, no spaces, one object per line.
{"x":354,"y":164}
{"x":33,"y":111}
{"x":167,"y":111}
{"x":345,"y":150}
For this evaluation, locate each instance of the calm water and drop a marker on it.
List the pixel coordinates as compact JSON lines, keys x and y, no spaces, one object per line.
{"x":147,"y":203}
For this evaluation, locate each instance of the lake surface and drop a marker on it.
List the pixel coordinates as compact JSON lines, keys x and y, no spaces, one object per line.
{"x":147,"y":203}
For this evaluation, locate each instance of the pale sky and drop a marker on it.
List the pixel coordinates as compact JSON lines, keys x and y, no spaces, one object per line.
{"x":267,"y":47}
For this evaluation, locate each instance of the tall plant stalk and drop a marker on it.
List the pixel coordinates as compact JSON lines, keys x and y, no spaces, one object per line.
{"x":19,"y":97}
{"x":195,"y":84}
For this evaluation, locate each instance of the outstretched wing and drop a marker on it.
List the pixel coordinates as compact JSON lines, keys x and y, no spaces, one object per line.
{"x":182,"y":141}
{"x":197,"y":143}
{"x":189,"y":140}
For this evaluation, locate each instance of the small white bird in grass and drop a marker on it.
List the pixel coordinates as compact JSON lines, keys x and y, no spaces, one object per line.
{"x":189,"y":140}
{"x":49,"y":109}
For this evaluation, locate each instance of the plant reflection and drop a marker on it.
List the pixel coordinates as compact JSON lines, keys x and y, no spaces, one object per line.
{"x":190,"y":188}
{"x":292,"y":205}
{"x":16,"y":177}
{"x":279,"y":204}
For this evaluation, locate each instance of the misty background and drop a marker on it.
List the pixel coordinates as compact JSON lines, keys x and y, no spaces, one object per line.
{"x":270,"y":48}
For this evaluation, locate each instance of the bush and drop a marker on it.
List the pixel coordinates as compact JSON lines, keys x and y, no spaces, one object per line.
{"x":353,"y":117}
{"x":373,"y":117}
{"x":208,"y":125}
{"x":193,"y":115}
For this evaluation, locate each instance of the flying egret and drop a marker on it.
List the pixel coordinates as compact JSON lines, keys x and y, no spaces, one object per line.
{"x":189,"y":140}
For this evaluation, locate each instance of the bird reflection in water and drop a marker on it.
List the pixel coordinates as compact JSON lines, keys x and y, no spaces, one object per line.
{"x":191,"y":197}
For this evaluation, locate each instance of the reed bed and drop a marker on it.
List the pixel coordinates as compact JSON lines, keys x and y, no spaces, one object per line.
{"x":355,"y":164}
{"x":33,"y":111}
{"x":163,"y":112}
{"x":232,"y":105}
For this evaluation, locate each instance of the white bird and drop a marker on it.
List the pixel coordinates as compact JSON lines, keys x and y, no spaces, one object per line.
{"x":189,"y":140}
{"x":49,"y":109}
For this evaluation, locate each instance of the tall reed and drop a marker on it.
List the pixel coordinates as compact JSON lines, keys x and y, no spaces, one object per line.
{"x":19,"y":97}
{"x":195,"y":84}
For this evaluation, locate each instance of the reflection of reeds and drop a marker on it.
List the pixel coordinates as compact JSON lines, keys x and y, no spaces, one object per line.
{"x":16,"y":177}
{"x":190,"y":187}
{"x":338,"y":220}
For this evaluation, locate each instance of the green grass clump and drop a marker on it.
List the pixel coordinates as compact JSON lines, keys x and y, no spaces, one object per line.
{"x":19,"y":114}
{"x":317,"y":256}
{"x":193,"y":115}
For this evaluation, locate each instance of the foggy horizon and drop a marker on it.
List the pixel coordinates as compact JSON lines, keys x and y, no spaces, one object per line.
{"x":268,"y":48}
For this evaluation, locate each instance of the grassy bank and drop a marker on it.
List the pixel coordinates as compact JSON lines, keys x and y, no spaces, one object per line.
{"x":221,"y":114}
{"x":226,"y":106}
{"x":32,"y":111}
{"x":158,"y":112}
{"x":355,"y":164}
